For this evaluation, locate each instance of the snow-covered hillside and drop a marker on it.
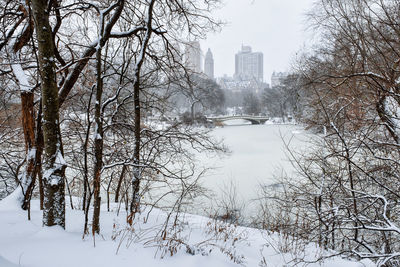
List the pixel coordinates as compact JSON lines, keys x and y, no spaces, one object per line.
{"x":194,"y":242}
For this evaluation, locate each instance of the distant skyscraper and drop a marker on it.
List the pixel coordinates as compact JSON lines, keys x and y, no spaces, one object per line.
{"x":209,"y":64}
{"x":249,"y":65}
{"x":193,"y":56}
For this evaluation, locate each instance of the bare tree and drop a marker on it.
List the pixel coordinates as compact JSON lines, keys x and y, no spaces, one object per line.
{"x":251,"y":103}
{"x":88,"y":101}
{"x":200,"y":91}
{"x":54,"y":166}
{"x":284,"y":100}
{"x":347,"y":196}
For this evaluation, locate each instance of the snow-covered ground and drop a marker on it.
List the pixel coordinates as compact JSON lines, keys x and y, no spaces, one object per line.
{"x":257,"y":150}
{"x":198,"y":241}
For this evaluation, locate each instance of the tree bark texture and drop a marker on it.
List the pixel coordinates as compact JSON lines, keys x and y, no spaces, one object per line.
{"x":39,"y":153}
{"x":98,"y":146}
{"x":28,"y":177}
{"x":54,"y":165}
{"x":136,"y":153}
{"x":28,"y":125}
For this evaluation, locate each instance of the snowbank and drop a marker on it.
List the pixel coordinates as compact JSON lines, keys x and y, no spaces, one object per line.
{"x":200,"y":241}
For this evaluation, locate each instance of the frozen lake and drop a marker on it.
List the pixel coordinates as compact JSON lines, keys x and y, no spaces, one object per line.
{"x":258,"y":155}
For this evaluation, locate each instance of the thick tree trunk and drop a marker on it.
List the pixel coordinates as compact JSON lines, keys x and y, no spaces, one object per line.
{"x":27,"y":180}
{"x":54,"y":165}
{"x":28,"y":124}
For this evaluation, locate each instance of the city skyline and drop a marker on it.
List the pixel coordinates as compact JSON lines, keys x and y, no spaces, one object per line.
{"x":279,"y":35}
{"x":248,"y":64}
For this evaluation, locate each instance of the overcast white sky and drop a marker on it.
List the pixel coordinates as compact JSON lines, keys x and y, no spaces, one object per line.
{"x":274,"y":27}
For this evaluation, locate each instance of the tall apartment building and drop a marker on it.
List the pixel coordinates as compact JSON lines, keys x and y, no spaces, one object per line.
{"x":209,"y":64}
{"x":249,"y":65}
{"x":193,"y":56}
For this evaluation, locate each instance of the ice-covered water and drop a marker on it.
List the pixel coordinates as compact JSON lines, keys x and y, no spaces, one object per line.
{"x":258,"y":155}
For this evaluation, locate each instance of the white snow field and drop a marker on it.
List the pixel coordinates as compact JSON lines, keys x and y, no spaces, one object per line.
{"x":27,"y":244}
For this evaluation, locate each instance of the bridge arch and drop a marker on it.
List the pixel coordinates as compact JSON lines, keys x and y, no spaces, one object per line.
{"x":250,"y":118}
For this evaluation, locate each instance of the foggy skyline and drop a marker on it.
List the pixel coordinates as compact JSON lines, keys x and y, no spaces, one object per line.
{"x":274,"y":27}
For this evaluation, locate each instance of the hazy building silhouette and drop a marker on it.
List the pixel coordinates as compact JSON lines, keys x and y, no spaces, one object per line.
{"x":209,"y":64}
{"x":193,"y":56}
{"x":249,"y":65}
{"x":277,"y":78}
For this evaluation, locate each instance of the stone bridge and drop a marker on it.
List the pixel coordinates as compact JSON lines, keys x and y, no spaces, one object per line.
{"x":250,"y":118}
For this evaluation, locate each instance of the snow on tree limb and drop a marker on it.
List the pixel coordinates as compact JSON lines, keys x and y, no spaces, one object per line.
{"x":21,"y":77}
